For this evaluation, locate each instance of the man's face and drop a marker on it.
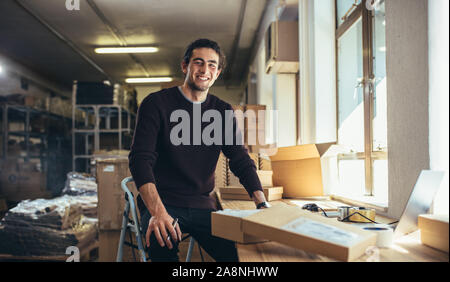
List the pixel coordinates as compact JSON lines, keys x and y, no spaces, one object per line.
{"x":202,"y":70}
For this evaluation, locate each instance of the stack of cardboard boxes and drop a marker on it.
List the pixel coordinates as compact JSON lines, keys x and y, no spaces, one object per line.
{"x":111,"y":205}
{"x":251,"y":120}
{"x":230,"y":188}
{"x":20,"y":180}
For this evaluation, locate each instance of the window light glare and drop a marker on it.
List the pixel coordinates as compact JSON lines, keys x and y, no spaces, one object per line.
{"x":148,"y":80}
{"x":124,"y":50}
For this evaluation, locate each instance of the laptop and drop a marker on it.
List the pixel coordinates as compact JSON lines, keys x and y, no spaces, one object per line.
{"x":419,"y":202}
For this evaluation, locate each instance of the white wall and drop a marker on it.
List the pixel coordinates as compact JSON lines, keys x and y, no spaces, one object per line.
{"x":264,"y":90}
{"x":407,"y":98}
{"x":317,"y":71}
{"x":278,"y":93}
{"x":438,"y":40}
{"x":284,"y":85}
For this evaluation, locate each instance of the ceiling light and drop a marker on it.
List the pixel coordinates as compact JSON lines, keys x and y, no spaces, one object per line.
{"x":1,"y":69}
{"x":148,"y":80}
{"x":123,"y":50}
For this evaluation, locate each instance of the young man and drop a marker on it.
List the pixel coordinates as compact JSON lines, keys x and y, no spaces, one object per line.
{"x":175,"y":179}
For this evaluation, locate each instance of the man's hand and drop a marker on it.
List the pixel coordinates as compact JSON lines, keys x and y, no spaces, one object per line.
{"x":258,"y":197}
{"x":161,"y":221}
{"x":160,"y":224}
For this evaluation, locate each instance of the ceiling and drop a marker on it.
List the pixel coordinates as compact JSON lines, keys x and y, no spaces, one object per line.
{"x":59,"y":44}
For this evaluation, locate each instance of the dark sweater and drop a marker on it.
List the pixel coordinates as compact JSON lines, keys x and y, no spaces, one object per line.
{"x":183,"y":174}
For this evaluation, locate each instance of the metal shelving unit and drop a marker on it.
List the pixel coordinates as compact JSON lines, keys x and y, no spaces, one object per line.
{"x":21,"y":114}
{"x":40,"y":136}
{"x":99,"y":121}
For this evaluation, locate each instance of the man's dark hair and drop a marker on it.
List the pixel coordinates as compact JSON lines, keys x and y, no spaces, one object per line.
{"x":205,"y":43}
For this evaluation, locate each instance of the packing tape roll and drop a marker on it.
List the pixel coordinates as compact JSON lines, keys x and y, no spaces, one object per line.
{"x":345,"y":212}
{"x":385,"y":236}
{"x":368,"y":213}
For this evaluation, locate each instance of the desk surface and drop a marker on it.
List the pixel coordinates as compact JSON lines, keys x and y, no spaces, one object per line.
{"x":405,"y":249}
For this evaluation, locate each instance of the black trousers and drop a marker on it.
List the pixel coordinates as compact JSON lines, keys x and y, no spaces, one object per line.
{"x":197,"y":223}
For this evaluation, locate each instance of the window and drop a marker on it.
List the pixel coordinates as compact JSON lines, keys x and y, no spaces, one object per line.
{"x":361,"y":91}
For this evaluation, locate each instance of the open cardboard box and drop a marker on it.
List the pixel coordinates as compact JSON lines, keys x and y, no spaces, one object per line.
{"x":298,"y":170}
{"x":313,"y":233}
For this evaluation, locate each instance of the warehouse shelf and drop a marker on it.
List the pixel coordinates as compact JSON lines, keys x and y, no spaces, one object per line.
{"x":105,"y":126}
{"x":32,"y":136}
{"x":27,"y":133}
{"x":21,"y":115}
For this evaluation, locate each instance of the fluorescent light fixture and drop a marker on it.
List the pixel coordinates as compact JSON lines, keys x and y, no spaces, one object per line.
{"x":124,"y":50}
{"x":148,"y":80}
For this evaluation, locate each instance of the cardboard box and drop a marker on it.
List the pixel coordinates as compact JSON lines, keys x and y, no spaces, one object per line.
{"x":3,"y":206}
{"x":14,"y":149}
{"x":22,"y":180}
{"x":221,"y":171}
{"x":264,"y":163}
{"x":256,"y":116}
{"x":434,"y":231}
{"x":255,"y":158}
{"x":265,"y":150}
{"x":228,"y":224}
{"x":111,"y":198}
{"x":239,"y":193}
{"x":252,"y":124}
{"x":312,"y":233}
{"x":224,"y":176}
{"x":265,"y":176}
{"x":298,"y":170}
{"x":109,"y":244}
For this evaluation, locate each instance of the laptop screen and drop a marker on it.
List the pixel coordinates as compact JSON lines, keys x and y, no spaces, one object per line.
{"x":420,"y":201}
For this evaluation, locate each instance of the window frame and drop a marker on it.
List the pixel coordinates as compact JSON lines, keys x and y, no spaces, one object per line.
{"x":360,"y":12}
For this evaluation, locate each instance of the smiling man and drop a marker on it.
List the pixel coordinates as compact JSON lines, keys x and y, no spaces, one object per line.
{"x":201,"y":69}
{"x":175,"y":180}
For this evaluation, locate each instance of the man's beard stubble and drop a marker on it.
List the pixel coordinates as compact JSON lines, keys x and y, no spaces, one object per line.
{"x":194,"y":87}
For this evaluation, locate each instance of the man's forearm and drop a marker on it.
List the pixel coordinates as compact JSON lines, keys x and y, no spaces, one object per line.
{"x":151,"y":199}
{"x":258,"y":197}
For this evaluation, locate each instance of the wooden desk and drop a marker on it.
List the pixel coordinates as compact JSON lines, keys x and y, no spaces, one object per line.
{"x":405,"y":249}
